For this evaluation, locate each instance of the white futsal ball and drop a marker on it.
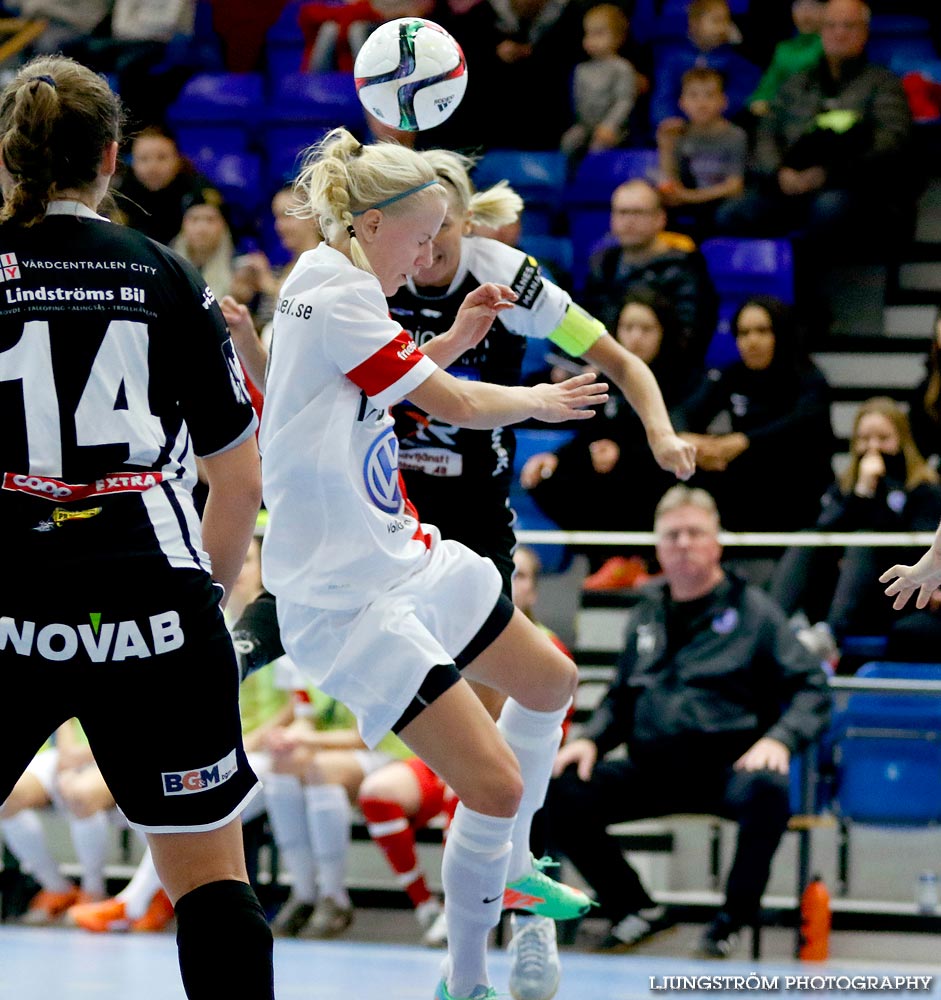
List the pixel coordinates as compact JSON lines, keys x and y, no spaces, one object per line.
{"x":410,"y":73}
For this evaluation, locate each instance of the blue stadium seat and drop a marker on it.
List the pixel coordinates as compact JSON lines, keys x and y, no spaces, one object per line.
{"x":588,"y":229}
{"x":599,"y":174}
{"x":327,"y":99}
{"x":197,"y":139}
{"x":284,"y":44}
{"x":284,"y":145}
{"x":237,"y":175}
{"x":888,"y":755}
{"x":743,"y":267}
{"x":723,"y":348}
{"x":550,"y":250}
{"x":537,"y":177}
{"x":220,"y":110}
{"x":901,"y":53}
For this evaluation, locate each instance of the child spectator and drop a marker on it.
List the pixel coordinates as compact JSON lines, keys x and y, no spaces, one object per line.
{"x":605,"y":87}
{"x":712,"y":42}
{"x":792,"y":55}
{"x":702,"y":158}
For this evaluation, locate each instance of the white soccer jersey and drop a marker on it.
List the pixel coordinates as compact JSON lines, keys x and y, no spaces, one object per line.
{"x":340,"y":530}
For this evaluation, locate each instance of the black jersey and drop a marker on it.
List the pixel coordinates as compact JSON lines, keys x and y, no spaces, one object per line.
{"x":450,"y":471}
{"x":116,"y":369}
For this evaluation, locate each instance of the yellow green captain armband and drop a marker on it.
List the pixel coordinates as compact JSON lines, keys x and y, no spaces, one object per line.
{"x":577,"y":331}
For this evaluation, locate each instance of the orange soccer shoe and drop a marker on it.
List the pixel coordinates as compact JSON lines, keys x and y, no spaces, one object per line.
{"x":158,"y":915}
{"x":46,"y":907}
{"x":111,"y":915}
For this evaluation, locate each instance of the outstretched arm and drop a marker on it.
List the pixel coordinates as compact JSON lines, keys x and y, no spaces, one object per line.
{"x":483,"y":405}
{"x":924,"y":576}
{"x":640,"y":388}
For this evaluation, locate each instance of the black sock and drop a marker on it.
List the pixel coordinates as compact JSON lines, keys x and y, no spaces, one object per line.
{"x":256,"y":636}
{"x":225,"y":943}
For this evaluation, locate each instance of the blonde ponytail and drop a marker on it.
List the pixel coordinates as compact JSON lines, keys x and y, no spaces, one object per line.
{"x":341,"y":178}
{"x":496,"y":206}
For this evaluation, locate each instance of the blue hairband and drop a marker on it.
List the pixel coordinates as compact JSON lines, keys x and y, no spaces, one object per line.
{"x":45,"y":78}
{"x":398,"y":197}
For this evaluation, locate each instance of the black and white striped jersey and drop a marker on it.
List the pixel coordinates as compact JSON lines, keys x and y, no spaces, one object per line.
{"x":116,"y":370}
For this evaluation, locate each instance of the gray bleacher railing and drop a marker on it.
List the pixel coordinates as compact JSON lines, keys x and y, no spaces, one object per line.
{"x":769,"y":539}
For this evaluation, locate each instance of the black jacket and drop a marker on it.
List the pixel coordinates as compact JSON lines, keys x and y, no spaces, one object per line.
{"x":738,"y":673}
{"x":680,"y":275}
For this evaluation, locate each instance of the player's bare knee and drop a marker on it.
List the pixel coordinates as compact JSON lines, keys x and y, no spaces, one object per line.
{"x":498,"y":789}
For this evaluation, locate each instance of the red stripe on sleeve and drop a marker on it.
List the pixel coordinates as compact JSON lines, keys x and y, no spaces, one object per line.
{"x":387,"y":365}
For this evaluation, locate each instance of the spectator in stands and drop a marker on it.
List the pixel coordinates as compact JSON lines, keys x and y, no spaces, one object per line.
{"x":611,"y":461}
{"x":830,"y":155}
{"x":702,"y":156}
{"x":161,"y":182}
{"x":924,"y":402}
{"x":713,"y":696}
{"x":774,"y":409}
{"x":66,"y":21}
{"x":791,"y":56}
{"x":712,"y":42}
{"x":645,"y":254}
{"x":538,"y":44}
{"x":133,"y":49}
{"x":205,"y":240}
{"x":604,"y":88}
{"x":63,"y":774}
{"x":887,"y":486}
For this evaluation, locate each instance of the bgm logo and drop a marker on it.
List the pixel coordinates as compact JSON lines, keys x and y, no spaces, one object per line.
{"x":9,"y":267}
{"x":200,"y":779}
{"x":381,"y":473}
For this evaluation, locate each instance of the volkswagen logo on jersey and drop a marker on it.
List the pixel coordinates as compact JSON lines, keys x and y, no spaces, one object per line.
{"x":381,"y":473}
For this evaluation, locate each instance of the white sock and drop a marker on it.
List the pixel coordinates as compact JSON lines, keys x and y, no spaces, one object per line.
{"x":329,"y":817}
{"x":288,"y":818}
{"x":26,"y":838}
{"x":534,"y":738}
{"x":91,"y":838}
{"x":473,"y":873}
{"x":142,"y":888}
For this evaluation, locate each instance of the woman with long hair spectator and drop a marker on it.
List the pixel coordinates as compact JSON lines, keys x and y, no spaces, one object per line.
{"x":887,"y":486}
{"x":154,"y":191}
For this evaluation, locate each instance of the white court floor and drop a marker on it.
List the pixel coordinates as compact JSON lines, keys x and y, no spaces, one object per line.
{"x":55,"y":964}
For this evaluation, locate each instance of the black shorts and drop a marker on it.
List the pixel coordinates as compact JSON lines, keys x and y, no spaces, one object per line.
{"x":144,"y":661}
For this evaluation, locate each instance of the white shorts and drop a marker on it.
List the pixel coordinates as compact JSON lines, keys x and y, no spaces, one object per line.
{"x":43,"y":767}
{"x":374,"y":659}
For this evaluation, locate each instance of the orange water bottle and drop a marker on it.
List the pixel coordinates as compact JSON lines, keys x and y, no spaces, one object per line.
{"x":815,"y":921}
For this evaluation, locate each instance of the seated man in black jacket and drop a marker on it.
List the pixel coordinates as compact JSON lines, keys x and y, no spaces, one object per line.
{"x":713,"y":696}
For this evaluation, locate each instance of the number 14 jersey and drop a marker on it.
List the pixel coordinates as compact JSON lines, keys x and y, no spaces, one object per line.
{"x":116,"y":370}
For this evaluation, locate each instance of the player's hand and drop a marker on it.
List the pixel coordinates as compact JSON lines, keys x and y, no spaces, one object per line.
{"x":924,"y":576}
{"x":871,"y":471}
{"x":537,"y":468}
{"x":239,"y":321}
{"x":674,"y":454}
{"x":478,"y":311}
{"x":604,"y":455}
{"x":582,"y":753}
{"x":768,"y":754}
{"x":569,"y":400}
